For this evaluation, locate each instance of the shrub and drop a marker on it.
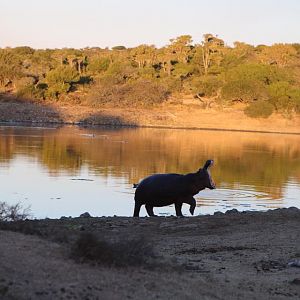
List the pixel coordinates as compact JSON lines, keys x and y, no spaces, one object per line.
{"x":243,"y":91}
{"x":13,"y":212}
{"x":259,"y":109}
{"x":207,"y":86}
{"x":284,"y":97}
{"x":257,"y":72}
{"x":120,"y":72}
{"x":60,"y":80}
{"x":98,"y":65}
{"x":134,"y":94}
{"x":120,"y":253}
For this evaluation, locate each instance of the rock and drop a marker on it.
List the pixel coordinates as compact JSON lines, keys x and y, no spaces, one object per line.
{"x":295,"y":281}
{"x":294,"y":263}
{"x":231,"y":211}
{"x":218,"y":213}
{"x":85,"y":215}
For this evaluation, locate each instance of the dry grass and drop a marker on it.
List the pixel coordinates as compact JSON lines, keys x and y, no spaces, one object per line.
{"x":122,"y":253}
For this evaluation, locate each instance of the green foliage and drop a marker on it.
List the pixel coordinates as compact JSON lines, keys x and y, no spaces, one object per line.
{"x":147,"y":72}
{"x":256,"y":72}
{"x":173,"y":85}
{"x":182,"y":70}
{"x":10,"y":67}
{"x":23,"y":51}
{"x":26,"y":88}
{"x":207,"y":86}
{"x":63,"y":74}
{"x":120,"y":72}
{"x":118,"y":48}
{"x":284,"y":97}
{"x":56,"y":89}
{"x":259,"y":109}
{"x":246,"y":90}
{"x":295,"y":97}
{"x":296,"y":47}
{"x":98,"y":65}
{"x":209,"y":70}
{"x":60,"y":81}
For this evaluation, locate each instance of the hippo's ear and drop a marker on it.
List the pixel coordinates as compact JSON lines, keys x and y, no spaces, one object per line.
{"x":208,"y":164}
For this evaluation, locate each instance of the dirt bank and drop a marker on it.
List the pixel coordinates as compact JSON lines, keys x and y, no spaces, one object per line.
{"x":225,"y":256}
{"x":169,"y":115}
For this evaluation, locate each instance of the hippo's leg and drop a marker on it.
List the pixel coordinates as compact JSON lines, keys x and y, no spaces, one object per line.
{"x":178,"y":206}
{"x":137,"y":208}
{"x":192,"y":202}
{"x":149,"y":209}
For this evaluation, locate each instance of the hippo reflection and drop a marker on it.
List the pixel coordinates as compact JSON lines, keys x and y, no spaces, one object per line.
{"x":165,"y":189}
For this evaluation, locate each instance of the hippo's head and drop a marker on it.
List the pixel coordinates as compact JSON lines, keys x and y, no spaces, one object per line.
{"x":205,"y":177}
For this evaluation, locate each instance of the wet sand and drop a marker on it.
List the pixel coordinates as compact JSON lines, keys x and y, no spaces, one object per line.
{"x":225,"y":256}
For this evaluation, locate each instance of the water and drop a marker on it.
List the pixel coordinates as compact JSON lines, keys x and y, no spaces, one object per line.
{"x":69,"y":170}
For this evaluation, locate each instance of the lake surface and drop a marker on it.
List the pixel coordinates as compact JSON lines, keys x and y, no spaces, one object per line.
{"x":66,"y":171}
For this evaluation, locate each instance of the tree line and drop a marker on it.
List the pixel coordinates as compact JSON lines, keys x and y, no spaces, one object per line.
{"x":264,"y":78}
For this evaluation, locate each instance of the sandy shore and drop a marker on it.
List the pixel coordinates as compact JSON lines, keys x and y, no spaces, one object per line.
{"x":225,"y":256}
{"x":172,"y":116}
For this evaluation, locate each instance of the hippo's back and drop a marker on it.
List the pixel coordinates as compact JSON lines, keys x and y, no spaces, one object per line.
{"x":159,"y":187}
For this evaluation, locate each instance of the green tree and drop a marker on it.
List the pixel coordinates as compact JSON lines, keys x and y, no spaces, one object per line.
{"x":60,"y":80}
{"x":10,"y":67}
{"x":206,"y":89}
{"x":181,"y":48}
{"x":212,"y":48}
{"x":284,"y":97}
{"x":279,"y":54}
{"x":144,"y":55}
{"x":98,"y":65}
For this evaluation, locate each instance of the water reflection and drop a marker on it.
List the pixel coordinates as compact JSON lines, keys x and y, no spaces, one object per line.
{"x":252,"y":170}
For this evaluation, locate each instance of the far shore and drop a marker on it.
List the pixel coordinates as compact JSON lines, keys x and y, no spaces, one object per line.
{"x":189,"y":116}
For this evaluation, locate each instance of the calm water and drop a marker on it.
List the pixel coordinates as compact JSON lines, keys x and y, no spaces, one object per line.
{"x":69,"y":170}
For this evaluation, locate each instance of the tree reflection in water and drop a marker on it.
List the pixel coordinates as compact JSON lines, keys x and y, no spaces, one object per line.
{"x":266,"y":162}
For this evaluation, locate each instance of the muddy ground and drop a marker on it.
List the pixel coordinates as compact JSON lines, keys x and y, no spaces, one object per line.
{"x":225,"y":256}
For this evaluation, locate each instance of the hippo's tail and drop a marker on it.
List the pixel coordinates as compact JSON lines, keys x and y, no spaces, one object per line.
{"x":135,"y":185}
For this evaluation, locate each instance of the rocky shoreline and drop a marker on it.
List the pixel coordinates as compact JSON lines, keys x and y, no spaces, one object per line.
{"x":236,"y":255}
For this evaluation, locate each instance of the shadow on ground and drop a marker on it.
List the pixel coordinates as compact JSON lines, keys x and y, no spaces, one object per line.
{"x":17,"y":109}
{"x":103,"y":118}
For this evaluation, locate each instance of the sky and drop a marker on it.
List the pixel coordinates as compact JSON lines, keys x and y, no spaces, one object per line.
{"x":107,"y":23}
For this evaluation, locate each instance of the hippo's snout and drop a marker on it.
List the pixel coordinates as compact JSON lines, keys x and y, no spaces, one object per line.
{"x":212,"y":186}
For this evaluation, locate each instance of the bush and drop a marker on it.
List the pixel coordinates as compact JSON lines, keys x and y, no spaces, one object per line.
{"x":120,"y":72}
{"x":284,"y":97}
{"x":60,"y":80}
{"x":98,"y":65}
{"x":243,"y":91}
{"x":121,"y":253}
{"x":13,"y":212}
{"x":257,"y":72}
{"x":259,"y":109}
{"x":31,"y":90}
{"x":207,"y":86}
{"x":140,"y":93}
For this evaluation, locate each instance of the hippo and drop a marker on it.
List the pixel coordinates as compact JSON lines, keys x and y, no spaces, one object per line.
{"x":165,"y":189}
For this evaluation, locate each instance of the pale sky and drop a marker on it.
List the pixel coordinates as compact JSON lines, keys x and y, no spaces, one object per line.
{"x":107,"y":23}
